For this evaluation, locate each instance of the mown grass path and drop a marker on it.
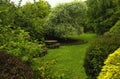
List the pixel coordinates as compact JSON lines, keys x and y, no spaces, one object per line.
{"x":69,"y":58}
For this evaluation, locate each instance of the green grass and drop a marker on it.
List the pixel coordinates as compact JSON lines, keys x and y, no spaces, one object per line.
{"x":69,"y":59}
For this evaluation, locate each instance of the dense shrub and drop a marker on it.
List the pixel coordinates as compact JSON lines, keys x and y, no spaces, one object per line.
{"x":13,"y":68}
{"x":111,"y":70}
{"x":98,"y":51}
{"x":43,"y":69}
{"x":65,"y":20}
{"x":17,"y":42}
{"x":102,"y":14}
{"x":31,"y":17}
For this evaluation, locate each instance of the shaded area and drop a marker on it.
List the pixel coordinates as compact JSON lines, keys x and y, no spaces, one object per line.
{"x":71,"y":41}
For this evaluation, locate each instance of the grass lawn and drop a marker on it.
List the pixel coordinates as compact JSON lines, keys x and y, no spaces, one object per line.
{"x":69,"y":58}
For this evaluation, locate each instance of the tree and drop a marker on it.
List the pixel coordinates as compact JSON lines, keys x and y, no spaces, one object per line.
{"x":7,"y":12}
{"x":102,"y":14}
{"x":15,"y":41}
{"x":65,"y":20}
{"x":30,"y":17}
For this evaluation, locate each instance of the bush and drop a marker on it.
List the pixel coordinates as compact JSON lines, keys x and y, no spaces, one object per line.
{"x":43,"y":69}
{"x":17,"y":42}
{"x":111,"y":70}
{"x":61,"y":23}
{"x":31,"y":18}
{"x":97,"y":52}
{"x":116,"y":28}
{"x":13,"y":68}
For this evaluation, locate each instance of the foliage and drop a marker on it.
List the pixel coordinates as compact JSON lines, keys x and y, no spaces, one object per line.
{"x":102,"y":14}
{"x":7,"y":12}
{"x":13,"y":68}
{"x":17,"y":42}
{"x":43,"y":69}
{"x":98,"y":51}
{"x":65,"y":20}
{"x":15,"y":39}
{"x":31,"y":17}
{"x":111,"y":68}
{"x":116,"y":28}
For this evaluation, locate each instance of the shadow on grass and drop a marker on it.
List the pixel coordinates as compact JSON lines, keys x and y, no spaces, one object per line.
{"x":71,"y":41}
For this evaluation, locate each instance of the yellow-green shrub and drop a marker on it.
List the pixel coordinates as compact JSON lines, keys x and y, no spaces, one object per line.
{"x":98,"y":51}
{"x":111,"y":70}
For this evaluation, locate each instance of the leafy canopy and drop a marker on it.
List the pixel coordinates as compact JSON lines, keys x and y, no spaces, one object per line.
{"x":65,"y":19}
{"x":31,"y":17}
{"x":103,"y":14}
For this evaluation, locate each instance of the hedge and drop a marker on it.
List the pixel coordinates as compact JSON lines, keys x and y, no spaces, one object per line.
{"x":98,"y":51}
